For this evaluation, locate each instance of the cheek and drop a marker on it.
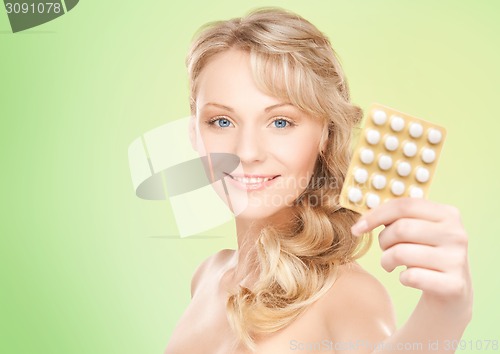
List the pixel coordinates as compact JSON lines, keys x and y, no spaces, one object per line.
{"x":300,"y":159}
{"x":211,"y":142}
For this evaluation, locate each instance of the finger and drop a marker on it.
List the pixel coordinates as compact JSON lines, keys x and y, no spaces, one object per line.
{"x":398,"y":208}
{"x":433,"y":282}
{"x":411,"y":255}
{"x":411,"y":231}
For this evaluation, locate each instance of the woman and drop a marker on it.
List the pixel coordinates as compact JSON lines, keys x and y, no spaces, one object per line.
{"x":269,"y":89}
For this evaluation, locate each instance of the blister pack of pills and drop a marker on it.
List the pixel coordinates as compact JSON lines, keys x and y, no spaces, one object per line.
{"x":396,"y":156}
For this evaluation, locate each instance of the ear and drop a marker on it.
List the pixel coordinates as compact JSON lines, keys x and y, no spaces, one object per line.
{"x":192,"y":133}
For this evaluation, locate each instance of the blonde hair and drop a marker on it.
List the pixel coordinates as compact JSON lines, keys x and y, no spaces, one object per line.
{"x":292,"y":60}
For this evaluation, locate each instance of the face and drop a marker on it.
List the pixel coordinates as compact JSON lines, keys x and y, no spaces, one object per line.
{"x":277,"y":144}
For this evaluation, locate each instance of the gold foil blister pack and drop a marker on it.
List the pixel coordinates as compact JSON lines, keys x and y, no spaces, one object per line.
{"x":396,"y":156}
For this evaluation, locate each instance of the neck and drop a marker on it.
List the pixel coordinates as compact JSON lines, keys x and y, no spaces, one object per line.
{"x":244,"y":268}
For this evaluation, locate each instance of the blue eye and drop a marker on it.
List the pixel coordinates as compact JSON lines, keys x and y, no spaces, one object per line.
{"x":219,"y":123}
{"x":281,"y":123}
{"x":223,"y":122}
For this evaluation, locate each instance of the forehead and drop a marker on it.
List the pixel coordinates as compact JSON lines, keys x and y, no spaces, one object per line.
{"x":228,"y":77}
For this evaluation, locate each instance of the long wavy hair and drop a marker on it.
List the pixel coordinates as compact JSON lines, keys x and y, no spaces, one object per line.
{"x":292,"y":60}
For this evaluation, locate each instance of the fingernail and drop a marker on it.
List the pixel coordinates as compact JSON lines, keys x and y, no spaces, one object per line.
{"x":359,"y":228}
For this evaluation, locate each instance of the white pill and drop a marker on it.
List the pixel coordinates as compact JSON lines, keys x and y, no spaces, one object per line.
{"x":372,"y":136}
{"x":379,"y":117}
{"x":397,"y":188}
{"x":378,"y":181}
{"x":416,"y":192}
{"x":360,"y":175}
{"x":355,"y":194}
{"x":410,"y":149}
{"x":428,"y":155}
{"x":403,"y":168}
{"x":422,"y":174}
{"x":391,"y":143}
{"x":367,"y":156}
{"x":385,"y":162}
{"x":397,"y":123}
{"x":434,"y":136}
{"x":416,"y":130}
{"x":372,"y":200}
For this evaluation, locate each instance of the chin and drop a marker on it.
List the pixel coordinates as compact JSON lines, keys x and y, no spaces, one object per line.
{"x":257,"y":205}
{"x":256,"y":213}
{"x":256,"y":209}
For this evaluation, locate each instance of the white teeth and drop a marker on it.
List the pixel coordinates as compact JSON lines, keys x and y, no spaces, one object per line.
{"x":252,"y":180}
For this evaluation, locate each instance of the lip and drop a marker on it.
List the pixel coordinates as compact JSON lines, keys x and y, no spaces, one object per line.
{"x":259,"y":181}
{"x":238,"y":175}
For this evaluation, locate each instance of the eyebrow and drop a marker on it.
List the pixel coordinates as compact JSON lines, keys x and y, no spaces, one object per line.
{"x":267,"y":109}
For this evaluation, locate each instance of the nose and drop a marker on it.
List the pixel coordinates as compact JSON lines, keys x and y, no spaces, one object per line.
{"x":250,"y":146}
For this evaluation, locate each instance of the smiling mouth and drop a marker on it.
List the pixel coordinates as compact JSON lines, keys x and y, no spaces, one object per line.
{"x":247,"y":179}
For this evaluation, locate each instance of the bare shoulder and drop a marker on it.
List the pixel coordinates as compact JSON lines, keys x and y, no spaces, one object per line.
{"x":355,"y":285}
{"x":359,"y":306}
{"x":209,"y":266}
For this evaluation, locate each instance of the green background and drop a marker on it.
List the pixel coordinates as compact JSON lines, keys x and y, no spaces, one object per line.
{"x":87,"y":267}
